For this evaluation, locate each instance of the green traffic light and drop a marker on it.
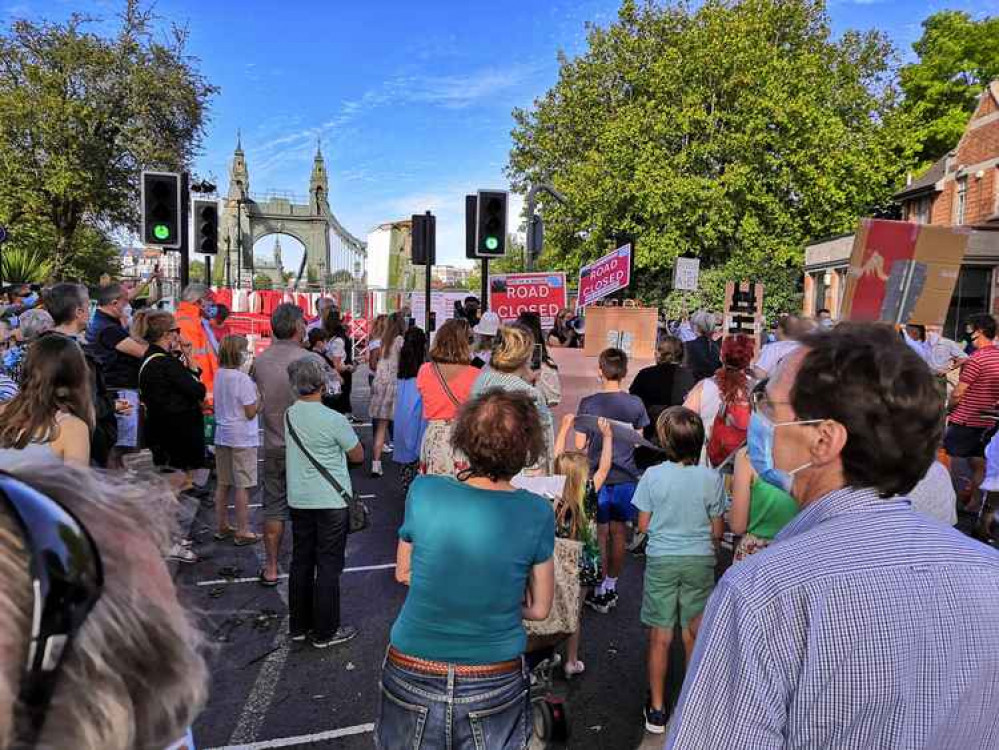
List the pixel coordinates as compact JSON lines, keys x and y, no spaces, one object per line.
{"x":161,"y":232}
{"x":492,"y":243}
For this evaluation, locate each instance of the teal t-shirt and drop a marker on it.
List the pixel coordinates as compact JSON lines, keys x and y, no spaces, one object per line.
{"x":328,"y":436}
{"x":472,"y":552}
{"x":682,"y":501}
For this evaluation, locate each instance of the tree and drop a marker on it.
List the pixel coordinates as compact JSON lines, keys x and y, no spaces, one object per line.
{"x":262,"y":282}
{"x":196,"y":270}
{"x":958,"y":57}
{"x":735,"y":132}
{"x":80,"y":116}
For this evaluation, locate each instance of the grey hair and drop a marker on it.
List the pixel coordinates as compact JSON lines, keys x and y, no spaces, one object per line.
{"x":704,"y":322}
{"x":34,"y":323}
{"x":194,"y":292}
{"x":284,"y":319}
{"x":135,"y":676}
{"x":307,"y":376}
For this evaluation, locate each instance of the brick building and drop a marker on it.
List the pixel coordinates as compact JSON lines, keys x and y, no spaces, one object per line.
{"x":961,"y":189}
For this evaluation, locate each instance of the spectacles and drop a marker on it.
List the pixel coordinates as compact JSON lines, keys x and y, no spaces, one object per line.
{"x":761,"y":402}
{"x":66,"y":580}
{"x":175,"y":330}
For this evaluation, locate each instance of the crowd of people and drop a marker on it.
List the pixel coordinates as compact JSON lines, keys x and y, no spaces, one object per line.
{"x":789,"y":446}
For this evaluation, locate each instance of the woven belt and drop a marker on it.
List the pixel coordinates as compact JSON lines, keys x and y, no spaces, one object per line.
{"x":441,"y":668}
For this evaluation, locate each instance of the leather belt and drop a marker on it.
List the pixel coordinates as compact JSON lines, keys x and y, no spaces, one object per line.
{"x":441,"y":668}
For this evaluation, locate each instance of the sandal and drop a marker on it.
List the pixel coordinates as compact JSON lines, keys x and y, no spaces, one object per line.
{"x":269,"y":582}
{"x":221,"y":536}
{"x":245,"y":541}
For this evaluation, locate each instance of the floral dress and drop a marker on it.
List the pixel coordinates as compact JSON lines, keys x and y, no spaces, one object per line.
{"x":383,"y":387}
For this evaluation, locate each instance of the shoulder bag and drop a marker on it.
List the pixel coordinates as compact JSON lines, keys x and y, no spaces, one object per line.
{"x":447,"y":389}
{"x":360,"y":516}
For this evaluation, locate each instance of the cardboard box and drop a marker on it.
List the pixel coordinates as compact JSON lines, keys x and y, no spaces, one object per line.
{"x":633,"y":329}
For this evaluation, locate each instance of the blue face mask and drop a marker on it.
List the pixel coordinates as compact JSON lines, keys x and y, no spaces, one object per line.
{"x":760,"y":448}
{"x":30,"y":300}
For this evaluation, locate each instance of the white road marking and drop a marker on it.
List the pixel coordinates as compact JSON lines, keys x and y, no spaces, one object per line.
{"x":251,"y":505}
{"x":365,"y":497}
{"x":358,"y":569}
{"x":301,"y":739}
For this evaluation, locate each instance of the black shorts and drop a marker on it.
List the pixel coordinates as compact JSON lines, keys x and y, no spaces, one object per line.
{"x":963,"y":441}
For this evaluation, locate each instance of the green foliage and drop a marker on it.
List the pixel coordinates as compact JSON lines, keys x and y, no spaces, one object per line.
{"x":341,"y":277}
{"x":196,"y":270}
{"x":80,"y":116}
{"x":958,"y":57}
{"x":218,"y":270}
{"x":262,"y":282}
{"x":735,"y":132}
{"x":23,"y":266}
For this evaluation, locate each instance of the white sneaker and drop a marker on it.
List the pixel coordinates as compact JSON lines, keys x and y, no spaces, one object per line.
{"x":388,"y":448}
{"x":573,"y":668}
{"x":376,"y":468}
{"x":180,"y":553}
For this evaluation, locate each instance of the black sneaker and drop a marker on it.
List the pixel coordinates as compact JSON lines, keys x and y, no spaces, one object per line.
{"x":611,"y":598}
{"x":602,"y":603}
{"x":344,"y":634}
{"x":655,"y":720}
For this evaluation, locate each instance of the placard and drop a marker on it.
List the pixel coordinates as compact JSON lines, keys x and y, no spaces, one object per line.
{"x":511,"y":294}
{"x":743,"y":309}
{"x":441,"y":304}
{"x":633,"y":329}
{"x":686,"y":273}
{"x":604,"y":276}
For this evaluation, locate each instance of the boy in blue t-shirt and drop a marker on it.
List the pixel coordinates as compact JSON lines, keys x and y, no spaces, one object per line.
{"x":614,"y":509}
{"x":680,"y":505}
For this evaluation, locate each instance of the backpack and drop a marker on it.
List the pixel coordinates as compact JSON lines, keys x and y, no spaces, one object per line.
{"x":728,"y":432}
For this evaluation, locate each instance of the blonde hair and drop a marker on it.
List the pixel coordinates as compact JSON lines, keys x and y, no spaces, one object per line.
{"x":135,"y":676}
{"x":152,"y":325}
{"x":511,"y":349}
{"x":378,"y":326}
{"x":575,"y":467}
{"x":232,"y":352}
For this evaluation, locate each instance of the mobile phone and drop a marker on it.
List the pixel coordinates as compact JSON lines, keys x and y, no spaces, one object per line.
{"x":536,"y":357}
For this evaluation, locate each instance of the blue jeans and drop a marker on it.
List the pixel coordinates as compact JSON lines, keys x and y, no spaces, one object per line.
{"x":424,"y":712}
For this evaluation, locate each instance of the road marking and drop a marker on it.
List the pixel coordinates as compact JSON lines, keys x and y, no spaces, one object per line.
{"x":303,"y":739}
{"x":366,"y":497}
{"x":251,"y":505}
{"x":357,"y":569}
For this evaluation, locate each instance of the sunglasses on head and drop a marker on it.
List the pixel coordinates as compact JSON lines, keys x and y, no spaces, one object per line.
{"x":66,"y":580}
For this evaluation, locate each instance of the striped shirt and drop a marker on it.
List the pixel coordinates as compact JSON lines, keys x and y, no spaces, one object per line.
{"x":981,"y":373}
{"x":866,"y":626}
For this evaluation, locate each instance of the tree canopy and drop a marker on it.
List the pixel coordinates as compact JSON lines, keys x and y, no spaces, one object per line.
{"x":735,"y":132}
{"x":80,"y":116}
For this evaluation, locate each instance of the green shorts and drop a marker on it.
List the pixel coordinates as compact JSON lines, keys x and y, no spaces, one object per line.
{"x":676,"y":584}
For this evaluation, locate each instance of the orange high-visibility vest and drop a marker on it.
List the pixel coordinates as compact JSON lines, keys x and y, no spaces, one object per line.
{"x":189,"y":320}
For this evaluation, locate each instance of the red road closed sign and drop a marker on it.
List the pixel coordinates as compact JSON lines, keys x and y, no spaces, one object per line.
{"x":604,"y":276}
{"x":511,"y":294}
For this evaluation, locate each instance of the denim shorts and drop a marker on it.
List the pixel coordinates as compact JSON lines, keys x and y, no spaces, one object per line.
{"x":453,"y":712}
{"x":614,"y":503}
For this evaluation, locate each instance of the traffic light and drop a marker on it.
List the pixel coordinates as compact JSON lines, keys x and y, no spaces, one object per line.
{"x":424,"y":240}
{"x":206,"y":227}
{"x":161,"y":221}
{"x":471,"y":209}
{"x":490,"y":224}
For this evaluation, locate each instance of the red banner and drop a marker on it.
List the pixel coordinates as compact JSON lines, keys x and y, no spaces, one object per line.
{"x":604,"y":276}
{"x":513,"y":293}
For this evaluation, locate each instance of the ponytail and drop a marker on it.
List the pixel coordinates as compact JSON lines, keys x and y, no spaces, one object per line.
{"x":151,"y":325}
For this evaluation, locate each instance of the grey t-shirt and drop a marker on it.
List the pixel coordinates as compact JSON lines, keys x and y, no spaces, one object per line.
{"x":624,"y":408}
{"x":270,"y":373}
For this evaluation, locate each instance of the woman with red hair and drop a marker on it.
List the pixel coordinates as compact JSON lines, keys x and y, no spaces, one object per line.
{"x":722,"y":401}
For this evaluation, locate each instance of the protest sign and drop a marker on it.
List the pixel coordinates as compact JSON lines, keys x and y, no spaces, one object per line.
{"x":604,"y":276}
{"x":511,"y":294}
{"x":686,"y":273}
{"x":743,"y":309}
{"x":441,"y":304}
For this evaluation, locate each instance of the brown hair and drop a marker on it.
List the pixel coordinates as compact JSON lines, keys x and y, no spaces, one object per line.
{"x":152,"y":325}
{"x":511,"y":348}
{"x":451,"y":344}
{"x":613,"y":364}
{"x":393,"y":330}
{"x":681,"y":434}
{"x":232,"y":352}
{"x":670,"y":351}
{"x":500,"y":432}
{"x":56,"y":378}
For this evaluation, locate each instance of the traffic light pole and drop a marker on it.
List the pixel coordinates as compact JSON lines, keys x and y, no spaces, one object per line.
{"x":484,"y":286}
{"x":185,"y":231}
{"x":428,"y":279}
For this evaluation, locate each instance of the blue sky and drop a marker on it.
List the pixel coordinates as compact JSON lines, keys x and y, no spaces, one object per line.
{"x":412,"y":101}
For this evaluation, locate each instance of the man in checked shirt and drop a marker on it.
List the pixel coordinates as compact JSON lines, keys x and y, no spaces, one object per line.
{"x":865,"y":625}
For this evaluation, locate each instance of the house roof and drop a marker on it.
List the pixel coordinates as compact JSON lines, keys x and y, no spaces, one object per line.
{"x":926,"y":182}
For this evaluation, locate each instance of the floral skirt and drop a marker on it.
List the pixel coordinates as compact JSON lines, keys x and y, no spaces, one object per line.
{"x":750,"y":544}
{"x":436,"y":454}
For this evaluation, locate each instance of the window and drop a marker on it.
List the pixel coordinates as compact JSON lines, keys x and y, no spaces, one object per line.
{"x":919,"y":210}
{"x":962,"y":200}
{"x":971,"y":297}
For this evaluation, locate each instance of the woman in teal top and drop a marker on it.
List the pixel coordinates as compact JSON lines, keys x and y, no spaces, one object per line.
{"x":476,"y":554}
{"x":759,"y":510}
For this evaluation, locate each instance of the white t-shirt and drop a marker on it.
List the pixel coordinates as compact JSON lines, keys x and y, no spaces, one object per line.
{"x":234,"y":390}
{"x":935,"y":496}
{"x":772,"y":354}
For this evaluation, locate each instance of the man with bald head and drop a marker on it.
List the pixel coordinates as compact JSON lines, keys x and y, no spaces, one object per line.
{"x":865,"y":625}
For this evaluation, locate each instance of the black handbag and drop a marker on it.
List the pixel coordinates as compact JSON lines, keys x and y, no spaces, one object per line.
{"x":360,"y":516}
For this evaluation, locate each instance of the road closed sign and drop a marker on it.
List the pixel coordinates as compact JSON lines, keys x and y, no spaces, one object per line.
{"x":604,"y":276}
{"x":511,"y":294}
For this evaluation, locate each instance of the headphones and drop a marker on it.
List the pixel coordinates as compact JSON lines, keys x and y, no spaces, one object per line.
{"x":67,"y":578}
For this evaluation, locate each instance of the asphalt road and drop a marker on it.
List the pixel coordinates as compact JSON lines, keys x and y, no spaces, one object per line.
{"x":267,"y":692}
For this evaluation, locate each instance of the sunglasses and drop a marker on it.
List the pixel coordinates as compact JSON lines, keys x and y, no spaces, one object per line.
{"x":175,"y":330}
{"x":66,"y":580}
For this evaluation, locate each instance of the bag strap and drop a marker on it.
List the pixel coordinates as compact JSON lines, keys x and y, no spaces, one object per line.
{"x":142,"y":367}
{"x":318,"y":466}
{"x":447,"y":389}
